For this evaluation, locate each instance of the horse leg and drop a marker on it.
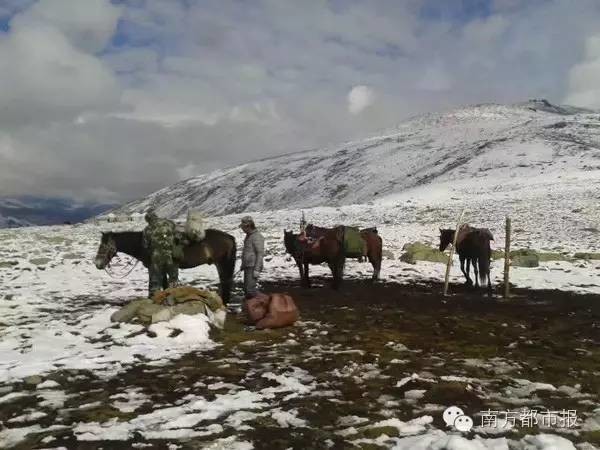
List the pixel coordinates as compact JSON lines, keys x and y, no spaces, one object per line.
{"x":225,"y":283}
{"x":337,"y":279}
{"x":300,"y":271}
{"x":376,"y":263}
{"x":306,"y":275}
{"x":468,"y":269}
{"x":475,"y":269}
{"x":338,"y":272}
{"x":335,"y":274}
{"x":226,"y":270}
{"x":462,"y":258}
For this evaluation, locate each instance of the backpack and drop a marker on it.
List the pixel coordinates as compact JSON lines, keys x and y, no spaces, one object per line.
{"x":194,"y":226}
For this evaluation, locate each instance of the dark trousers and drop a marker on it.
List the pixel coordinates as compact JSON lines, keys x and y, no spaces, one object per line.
{"x":250,"y":289}
{"x":160,"y":272}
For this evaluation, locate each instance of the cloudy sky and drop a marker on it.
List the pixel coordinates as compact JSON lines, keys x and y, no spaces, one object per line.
{"x":110,"y":100}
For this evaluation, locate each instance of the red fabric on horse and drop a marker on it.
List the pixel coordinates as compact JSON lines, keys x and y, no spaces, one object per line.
{"x":279,"y":311}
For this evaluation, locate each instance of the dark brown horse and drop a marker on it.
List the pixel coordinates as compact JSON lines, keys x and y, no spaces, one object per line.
{"x":472,"y":246}
{"x":329,"y":248}
{"x":216,"y":248}
{"x":372,"y":248}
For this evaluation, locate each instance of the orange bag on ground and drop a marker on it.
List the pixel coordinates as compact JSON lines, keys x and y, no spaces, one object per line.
{"x":257,"y":307}
{"x":278,"y":311}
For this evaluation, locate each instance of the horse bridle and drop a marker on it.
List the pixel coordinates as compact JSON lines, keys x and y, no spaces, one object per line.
{"x":107,"y":251}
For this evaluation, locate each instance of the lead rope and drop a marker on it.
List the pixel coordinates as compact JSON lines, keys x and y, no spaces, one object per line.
{"x":120,"y":277}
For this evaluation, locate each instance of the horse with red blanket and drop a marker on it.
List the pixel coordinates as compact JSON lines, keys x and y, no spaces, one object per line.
{"x":332,"y":246}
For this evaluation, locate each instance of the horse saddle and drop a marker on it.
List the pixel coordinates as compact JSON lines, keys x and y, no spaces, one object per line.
{"x":311,"y":242}
{"x":466,"y":230}
{"x":463,"y":232}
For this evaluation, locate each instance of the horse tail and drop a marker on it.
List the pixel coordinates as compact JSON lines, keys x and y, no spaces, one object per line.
{"x":484,"y":262}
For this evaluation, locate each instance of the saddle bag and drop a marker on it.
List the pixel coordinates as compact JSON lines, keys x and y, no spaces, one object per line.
{"x":194,"y":226}
{"x":354,"y":244}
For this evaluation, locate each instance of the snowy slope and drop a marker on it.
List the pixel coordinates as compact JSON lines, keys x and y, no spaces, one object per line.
{"x":485,"y":147}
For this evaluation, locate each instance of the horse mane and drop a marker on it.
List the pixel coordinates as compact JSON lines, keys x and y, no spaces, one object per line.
{"x":122,"y":233}
{"x":214,"y":231}
{"x":370,"y":230}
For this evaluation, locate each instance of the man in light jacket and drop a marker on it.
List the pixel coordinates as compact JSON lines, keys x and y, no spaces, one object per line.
{"x":252,"y":256}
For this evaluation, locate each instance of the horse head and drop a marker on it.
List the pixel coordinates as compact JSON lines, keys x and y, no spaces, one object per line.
{"x":106,"y":251}
{"x":446,"y":238}
{"x":290,"y":240}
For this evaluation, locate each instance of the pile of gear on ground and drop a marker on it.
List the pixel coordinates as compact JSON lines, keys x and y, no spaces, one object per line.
{"x":262,"y":311}
{"x":165,"y":241}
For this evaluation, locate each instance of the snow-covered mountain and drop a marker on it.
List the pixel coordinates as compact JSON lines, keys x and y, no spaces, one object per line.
{"x":485,"y":147}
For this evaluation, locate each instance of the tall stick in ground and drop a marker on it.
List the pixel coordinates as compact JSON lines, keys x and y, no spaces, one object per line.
{"x":507,"y":259}
{"x":449,"y":264}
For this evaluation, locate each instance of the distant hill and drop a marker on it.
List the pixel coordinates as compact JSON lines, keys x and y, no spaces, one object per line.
{"x":28,"y":210}
{"x":483,"y":147}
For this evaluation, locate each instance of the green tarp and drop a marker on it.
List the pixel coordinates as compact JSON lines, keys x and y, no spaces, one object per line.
{"x":354,"y":245}
{"x":168,"y":303}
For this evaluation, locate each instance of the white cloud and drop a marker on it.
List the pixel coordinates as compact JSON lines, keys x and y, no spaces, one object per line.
{"x":88,"y":24}
{"x":187,"y":171}
{"x":359,"y":98}
{"x":194,"y":86}
{"x":133,"y":60}
{"x":584,"y":77}
{"x":435,"y":78}
{"x":46,"y":72}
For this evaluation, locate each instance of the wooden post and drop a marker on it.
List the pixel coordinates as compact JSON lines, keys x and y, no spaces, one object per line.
{"x":302,"y":224}
{"x":507,"y":259}
{"x":447,"y":279}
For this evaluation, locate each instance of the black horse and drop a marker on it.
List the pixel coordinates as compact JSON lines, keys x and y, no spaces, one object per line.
{"x":472,"y":246}
{"x":217,"y":248}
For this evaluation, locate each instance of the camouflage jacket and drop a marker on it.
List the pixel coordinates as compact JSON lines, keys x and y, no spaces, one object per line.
{"x":159,"y":237}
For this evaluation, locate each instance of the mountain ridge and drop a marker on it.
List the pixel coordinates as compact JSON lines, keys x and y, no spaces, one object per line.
{"x":490,"y":139}
{"x":31,"y":211}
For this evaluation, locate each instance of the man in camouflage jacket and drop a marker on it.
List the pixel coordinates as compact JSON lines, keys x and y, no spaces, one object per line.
{"x":159,"y":239}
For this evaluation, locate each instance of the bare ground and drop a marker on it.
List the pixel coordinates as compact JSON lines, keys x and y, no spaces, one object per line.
{"x":348,"y":348}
